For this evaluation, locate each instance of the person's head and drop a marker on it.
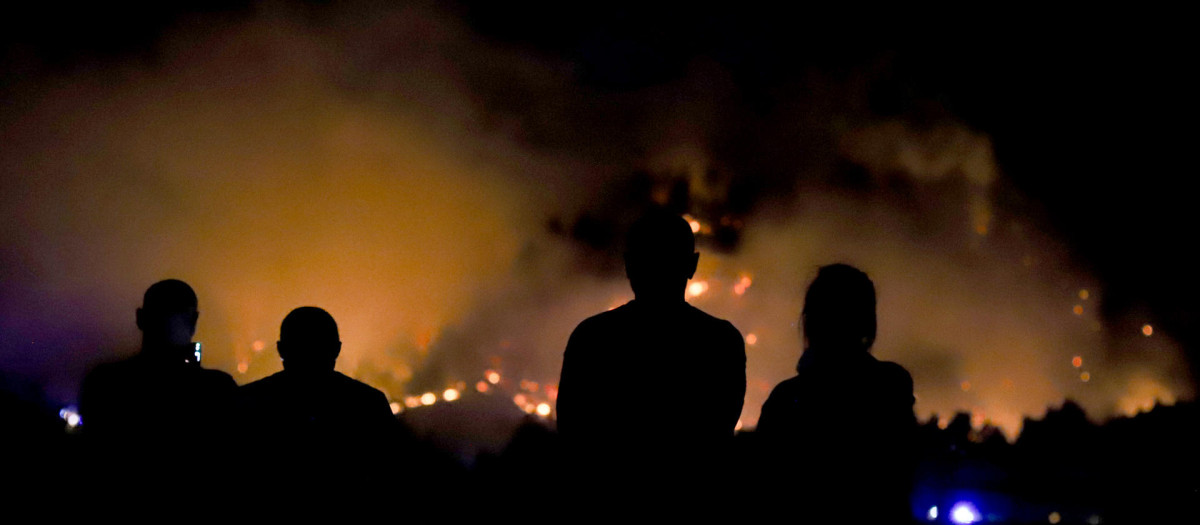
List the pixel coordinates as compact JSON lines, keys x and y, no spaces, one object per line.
{"x":839,"y":309}
{"x":308,"y":340}
{"x":168,"y":314}
{"x":660,"y":256}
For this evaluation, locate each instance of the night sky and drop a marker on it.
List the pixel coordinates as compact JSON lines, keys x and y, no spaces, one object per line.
{"x":451,"y":181}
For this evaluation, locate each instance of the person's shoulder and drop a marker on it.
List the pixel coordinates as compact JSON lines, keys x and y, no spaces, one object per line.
{"x":116,"y":373}
{"x":611,"y":317}
{"x":781,"y":404}
{"x":104,"y":371}
{"x":893,"y":374}
{"x":129,"y":365}
{"x":265,"y":384}
{"x":99,"y":380}
{"x":357,"y":388}
{"x":713,"y":326}
{"x":894,"y":380}
{"x":704,"y":318}
{"x":602,"y":323}
{"x":217,"y":378}
{"x":786,"y":388}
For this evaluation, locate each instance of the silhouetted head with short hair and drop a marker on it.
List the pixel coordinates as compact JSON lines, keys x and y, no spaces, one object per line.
{"x":839,"y":309}
{"x":168,"y":315}
{"x":660,"y":257}
{"x":308,"y":341}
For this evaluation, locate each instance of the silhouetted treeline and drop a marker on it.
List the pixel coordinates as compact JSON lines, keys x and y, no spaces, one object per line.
{"x":1063,"y":468}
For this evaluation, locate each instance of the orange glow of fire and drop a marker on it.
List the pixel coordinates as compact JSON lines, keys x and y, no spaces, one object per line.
{"x":743,"y":283}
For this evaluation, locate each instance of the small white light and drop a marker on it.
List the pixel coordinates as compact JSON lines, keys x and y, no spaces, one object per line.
{"x":71,"y":416}
{"x":964,"y":513}
{"x":932,"y":514}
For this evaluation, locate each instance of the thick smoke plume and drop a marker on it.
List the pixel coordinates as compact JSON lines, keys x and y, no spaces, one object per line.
{"x":457,"y":205}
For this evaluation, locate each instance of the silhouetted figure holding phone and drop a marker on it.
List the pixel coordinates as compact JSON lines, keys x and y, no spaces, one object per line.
{"x":315,"y":430}
{"x":156,"y":418}
{"x":651,"y":391}
{"x":838,"y":437}
{"x":162,"y":390}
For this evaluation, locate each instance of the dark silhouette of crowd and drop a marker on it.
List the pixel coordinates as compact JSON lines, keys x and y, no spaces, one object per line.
{"x":838,"y":442}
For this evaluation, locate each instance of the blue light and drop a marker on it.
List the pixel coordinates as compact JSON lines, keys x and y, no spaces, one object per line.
{"x":932,"y":514}
{"x":964,"y":513}
{"x":71,"y":416}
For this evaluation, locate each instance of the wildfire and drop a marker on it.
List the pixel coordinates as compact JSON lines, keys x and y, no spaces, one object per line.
{"x":743,"y":283}
{"x":1142,"y":394}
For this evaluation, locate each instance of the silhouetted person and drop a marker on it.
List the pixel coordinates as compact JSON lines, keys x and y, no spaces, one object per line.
{"x":315,"y":431}
{"x":651,"y":391}
{"x":838,"y":437}
{"x":157,"y":418}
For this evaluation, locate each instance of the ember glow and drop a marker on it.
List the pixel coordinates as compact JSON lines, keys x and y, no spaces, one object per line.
{"x":390,"y":176}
